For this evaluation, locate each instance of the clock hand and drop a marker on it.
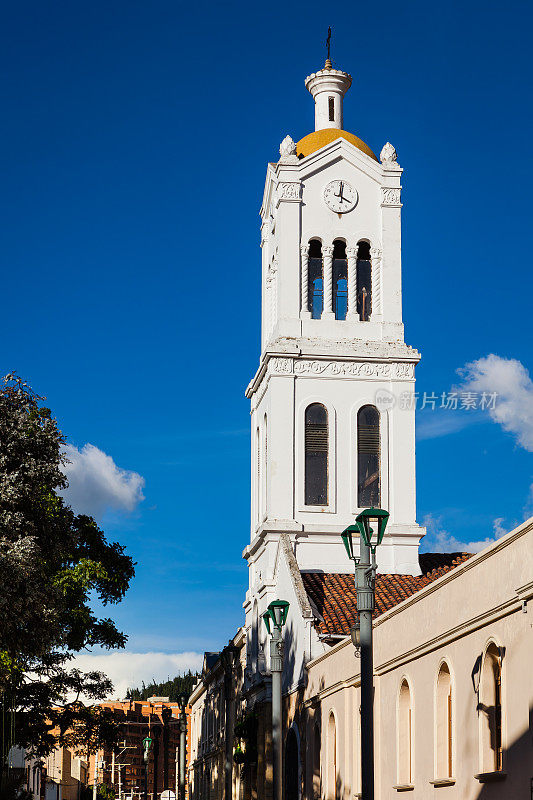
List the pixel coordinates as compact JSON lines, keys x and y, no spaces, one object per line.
{"x":340,"y":195}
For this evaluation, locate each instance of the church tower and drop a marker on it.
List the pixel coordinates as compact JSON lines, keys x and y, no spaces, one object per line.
{"x":332,"y":411}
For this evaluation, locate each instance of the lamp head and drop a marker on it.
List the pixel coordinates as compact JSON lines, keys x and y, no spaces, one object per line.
{"x":355,"y":633}
{"x":347,"y":539}
{"x":276,"y":614}
{"x":372,"y":523}
{"x":147,"y":744}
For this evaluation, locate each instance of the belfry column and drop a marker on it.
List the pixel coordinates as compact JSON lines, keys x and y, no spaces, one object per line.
{"x":351,"y":253}
{"x":304,"y":272}
{"x":327,"y":253}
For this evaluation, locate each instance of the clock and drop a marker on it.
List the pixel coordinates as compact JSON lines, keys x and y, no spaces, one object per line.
{"x":340,"y":196}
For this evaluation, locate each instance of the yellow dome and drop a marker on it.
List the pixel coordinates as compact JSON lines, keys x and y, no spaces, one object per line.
{"x":314,"y":141}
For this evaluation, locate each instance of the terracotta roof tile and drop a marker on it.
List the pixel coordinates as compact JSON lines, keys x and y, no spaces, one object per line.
{"x":334,"y":595}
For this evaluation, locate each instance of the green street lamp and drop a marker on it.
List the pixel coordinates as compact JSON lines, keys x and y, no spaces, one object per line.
{"x":276,"y":614}
{"x":370,"y":525}
{"x":147,"y":744}
{"x":182,"y":702}
{"x":275,"y":618}
{"x":373,"y":536}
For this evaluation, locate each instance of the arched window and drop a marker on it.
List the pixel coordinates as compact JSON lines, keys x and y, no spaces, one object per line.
{"x":316,"y":282}
{"x":264,"y":488}
{"x":444,"y":721}
{"x":405,"y":736}
{"x":332,"y":758}
{"x":292,"y":760}
{"x":316,"y":455}
{"x":368,"y":457}
{"x":257,"y":475}
{"x":490,"y":710}
{"x":364,"y":282}
{"x":340,"y":280}
{"x":317,"y":790}
{"x":255,"y":638}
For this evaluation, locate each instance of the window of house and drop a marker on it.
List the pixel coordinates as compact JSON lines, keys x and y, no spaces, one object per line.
{"x":405,"y":736}
{"x":490,"y":711}
{"x":316,"y":762}
{"x":316,"y":455}
{"x":316,"y":279}
{"x":332,"y":758}
{"x":364,"y":282}
{"x":340,"y":280}
{"x":368,"y":457}
{"x":292,"y":759}
{"x":331,"y":109}
{"x":444,"y":725}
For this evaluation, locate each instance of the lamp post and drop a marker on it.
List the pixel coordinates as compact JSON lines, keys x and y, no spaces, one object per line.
{"x":274,"y":618}
{"x":147,"y":743}
{"x":183,"y":743}
{"x":365,"y":571}
{"x":228,"y":657}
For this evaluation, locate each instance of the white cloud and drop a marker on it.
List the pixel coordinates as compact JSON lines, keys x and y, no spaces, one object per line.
{"x":438,"y":423}
{"x":128,"y":670}
{"x":508,"y":377}
{"x":439,"y":540}
{"x":97,"y":485}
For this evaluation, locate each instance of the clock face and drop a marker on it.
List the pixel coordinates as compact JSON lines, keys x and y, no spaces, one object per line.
{"x":340,"y":196}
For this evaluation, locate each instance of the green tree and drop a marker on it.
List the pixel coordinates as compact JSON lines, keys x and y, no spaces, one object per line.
{"x":53,"y":564}
{"x":171,"y":688}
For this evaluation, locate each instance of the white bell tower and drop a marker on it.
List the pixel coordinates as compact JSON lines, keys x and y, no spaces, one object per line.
{"x":332,"y":411}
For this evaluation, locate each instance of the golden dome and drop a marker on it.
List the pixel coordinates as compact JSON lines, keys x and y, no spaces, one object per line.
{"x":314,"y":141}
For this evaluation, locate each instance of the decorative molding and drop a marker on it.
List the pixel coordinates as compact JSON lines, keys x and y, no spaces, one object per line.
{"x":271,"y":293}
{"x":375,"y":256}
{"x":405,"y":370}
{"x":289,"y":191}
{"x":364,"y":368}
{"x":351,"y":254}
{"x":390,"y":197}
{"x":491,"y":777}
{"x":304,"y":272}
{"x":282,"y":366}
{"x":327,"y":253}
{"x":296,"y":576}
{"x":353,"y":369}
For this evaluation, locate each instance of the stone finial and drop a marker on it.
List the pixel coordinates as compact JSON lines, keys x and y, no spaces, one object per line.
{"x":287,"y":147}
{"x":287,"y":151}
{"x":388,"y":155}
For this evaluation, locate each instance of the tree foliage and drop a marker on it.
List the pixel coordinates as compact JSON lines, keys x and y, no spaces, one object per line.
{"x":171,"y":688}
{"x":53,"y":564}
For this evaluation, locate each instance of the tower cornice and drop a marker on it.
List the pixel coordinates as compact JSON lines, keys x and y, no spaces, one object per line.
{"x":389,"y":361}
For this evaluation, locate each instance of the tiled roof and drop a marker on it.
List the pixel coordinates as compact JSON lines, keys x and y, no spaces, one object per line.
{"x":334,"y":597}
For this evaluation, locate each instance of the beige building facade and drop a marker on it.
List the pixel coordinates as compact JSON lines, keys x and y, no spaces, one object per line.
{"x":453,"y":689}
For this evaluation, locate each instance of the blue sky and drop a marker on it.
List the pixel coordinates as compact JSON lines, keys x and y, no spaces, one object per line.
{"x":134,"y":146}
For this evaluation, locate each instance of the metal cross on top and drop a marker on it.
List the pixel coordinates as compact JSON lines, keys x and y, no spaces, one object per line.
{"x":328,"y":41}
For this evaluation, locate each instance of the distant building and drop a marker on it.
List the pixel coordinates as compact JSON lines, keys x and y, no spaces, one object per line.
{"x":123,"y":767}
{"x":64,"y":775}
{"x":60,"y":776}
